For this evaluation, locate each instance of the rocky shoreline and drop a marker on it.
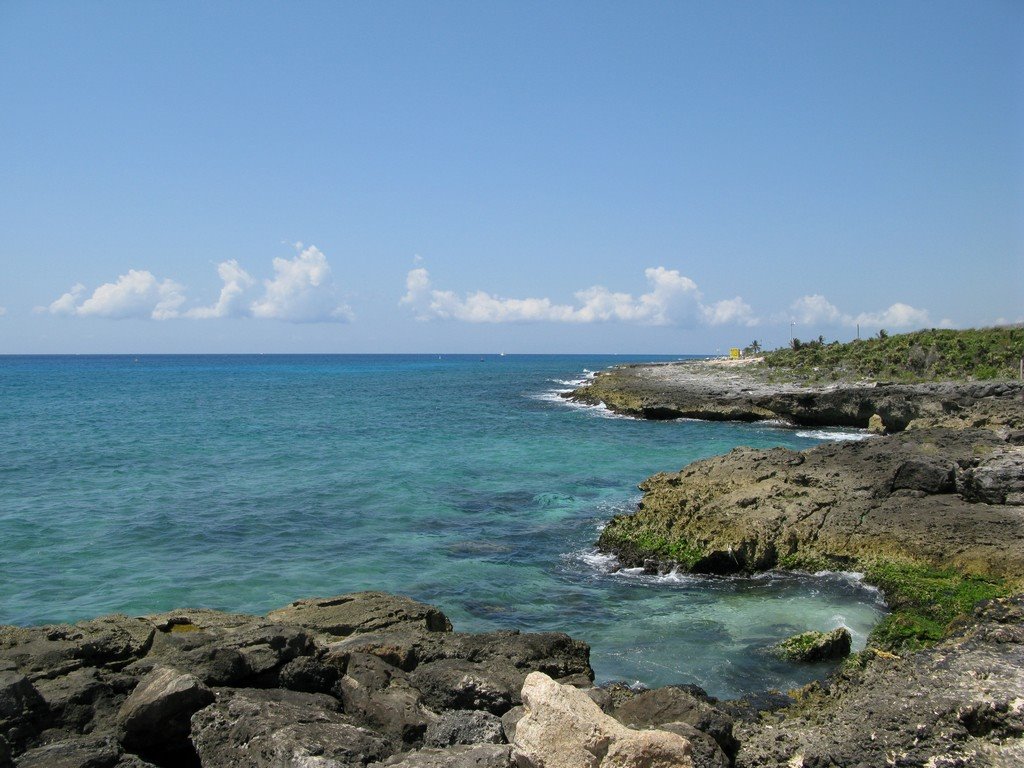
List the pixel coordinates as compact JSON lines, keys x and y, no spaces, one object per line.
{"x":366,"y":679}
{"x":933,"y":513}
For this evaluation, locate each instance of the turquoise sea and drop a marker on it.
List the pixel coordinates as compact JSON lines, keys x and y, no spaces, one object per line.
{"x":139,"y":484}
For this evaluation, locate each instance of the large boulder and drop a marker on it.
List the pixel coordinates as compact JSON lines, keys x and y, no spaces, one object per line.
{"x":564,"y":728}
{"x":160,"y":709}
{"x":254,"y":728}
{"x":361,"y":612}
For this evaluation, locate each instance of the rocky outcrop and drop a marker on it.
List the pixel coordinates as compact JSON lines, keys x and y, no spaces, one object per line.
{"x":960,"y":703}
{"x":717,"y":391}
{"x":352,"y":680}
{"x":563,"y":728}
{"x":940,"y":496}
{"x":815,"y":646}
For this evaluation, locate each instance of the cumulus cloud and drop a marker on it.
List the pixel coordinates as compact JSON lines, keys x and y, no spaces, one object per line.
{"x":815,"y":309}
{"x":301,"y":290}
{"x":672,"y":299}
{"x":236,"y":280}
{"x":138,"y":293}
{"x":730,"y":311}
{"x":899,"y":315}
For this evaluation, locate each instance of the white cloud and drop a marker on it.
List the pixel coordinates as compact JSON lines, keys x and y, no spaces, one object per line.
{"x":135,"y":294}
{"x":236,"y":281}
{"x":301,"y":291}
{"x":3,"y":311}
{"x":816,"y":310}
{"x":730,"y":311}
{"x":899,"y":315}
{"x":672,"y":299}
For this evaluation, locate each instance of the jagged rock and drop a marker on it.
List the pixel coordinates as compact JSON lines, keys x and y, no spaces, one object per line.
{"x":927,"y":476}
{"x":705,"y":752}
{"x":958,"y":703}
{"x":81,"y":752}
{"x":160,"y":708}
{"x":464,"y":727}
{"x":678,"y":704}
{"x":21,"y":708}
{"x":876,"y":425}
{"x":998,"y":479}
{"x":564,"y":728}
{"x":361,"y":612}
{"x":815,"y":646}
{"x":266,"y":729}
{"x":57,"y":649}
{"x":461,"y":684}
{"x":308,"y":674}
{"x":463,"y":756}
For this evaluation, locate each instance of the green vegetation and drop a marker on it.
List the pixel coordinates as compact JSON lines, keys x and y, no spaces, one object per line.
{"x":925,"y":601}
{"x":632,"y":542}
{"x":985,"y":353}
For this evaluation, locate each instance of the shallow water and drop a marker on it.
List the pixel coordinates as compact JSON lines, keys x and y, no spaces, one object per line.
{"x":245,"y":482}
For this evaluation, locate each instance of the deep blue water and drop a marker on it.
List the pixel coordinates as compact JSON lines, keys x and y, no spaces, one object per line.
{"x":139,"y":484}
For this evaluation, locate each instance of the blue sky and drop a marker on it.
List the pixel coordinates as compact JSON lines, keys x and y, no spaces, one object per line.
{"x":517,"y":177}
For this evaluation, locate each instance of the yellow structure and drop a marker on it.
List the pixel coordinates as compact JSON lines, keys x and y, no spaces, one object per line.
{"x":734,"y":353}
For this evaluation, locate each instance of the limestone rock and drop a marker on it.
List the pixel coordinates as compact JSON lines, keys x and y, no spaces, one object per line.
{"x":564,"y":728}
{"x":876,"y":425}
{"x":816,"y":646}
{"x":265,"y":729}
{"x":361,"y":612}
{"x":160,"y":708}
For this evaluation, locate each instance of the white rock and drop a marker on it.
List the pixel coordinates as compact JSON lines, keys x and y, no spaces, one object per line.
{"x":564,"y":728}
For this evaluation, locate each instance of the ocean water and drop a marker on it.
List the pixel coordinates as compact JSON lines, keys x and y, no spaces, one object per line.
{"x":140,"y":484}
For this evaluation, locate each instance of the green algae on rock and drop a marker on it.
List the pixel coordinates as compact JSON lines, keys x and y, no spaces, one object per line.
{"x":815,"y":646}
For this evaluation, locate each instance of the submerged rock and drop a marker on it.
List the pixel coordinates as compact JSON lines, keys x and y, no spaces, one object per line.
{"x":815,"y":646}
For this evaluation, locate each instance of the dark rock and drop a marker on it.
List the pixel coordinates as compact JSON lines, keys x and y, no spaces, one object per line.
{"x":464,"y":727}
{"x":361,"y":612}
{"x":22,"y":709}
{"x":509,"y":721}
{"x":459,"y":684}
{"x":465,"y":756}
{"x":159,"y":710}
{"x":267,"y":729}
{"x":815,"y":646}
{"x":925,"y":476}
{"x":80,"y":752}
{"x":652,"y":709}
{"x":706,"y":751}
{"x":308,"y":674}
